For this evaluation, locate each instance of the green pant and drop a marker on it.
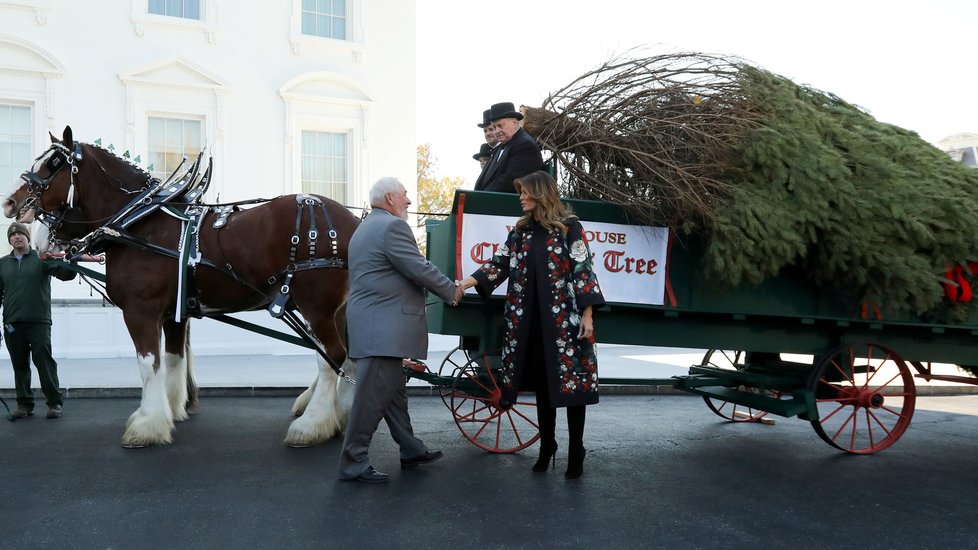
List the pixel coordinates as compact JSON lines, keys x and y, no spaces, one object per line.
{"x":32,"y":341}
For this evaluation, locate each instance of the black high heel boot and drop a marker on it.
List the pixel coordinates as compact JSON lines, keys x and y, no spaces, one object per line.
{"x":575,"y":462}
{"x":548,"y":457}
{"x":575,"y":451}
{"x":547,"y":418}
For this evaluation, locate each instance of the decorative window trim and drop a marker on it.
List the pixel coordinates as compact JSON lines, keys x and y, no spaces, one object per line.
{"x":353,"y":45}
{"x":40,"y":8}
{"x":199,"y":94}
{"x":207,"y":24}
{"x":345,"y":111}
{"x":42,"y":66}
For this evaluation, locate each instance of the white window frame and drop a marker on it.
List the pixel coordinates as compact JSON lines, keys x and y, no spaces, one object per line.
{"x":151,"y":95}
{"x":32,"y":133}
{"x":353,"y":131}
{"x":33,"y":136}
{"x":182,"y":4}
{"x":317,"y":45}
{"x":331,"y":16}
{"x":349,"y":165}
{"x":346,"y":111}
{"x":169,"y":115}
{"x":143,"y":21}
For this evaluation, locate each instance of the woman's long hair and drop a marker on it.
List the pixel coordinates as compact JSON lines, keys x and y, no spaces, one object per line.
{"x":550,"y":213}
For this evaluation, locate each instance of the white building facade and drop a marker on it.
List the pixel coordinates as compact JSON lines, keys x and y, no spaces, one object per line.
{"x":290,"y":96}
{"x":962,"y":148}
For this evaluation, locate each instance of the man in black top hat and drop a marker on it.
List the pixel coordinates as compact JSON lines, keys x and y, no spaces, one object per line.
{"x":485,"y":152}
{"x":516,"y":155}
{"x":487,"y":130}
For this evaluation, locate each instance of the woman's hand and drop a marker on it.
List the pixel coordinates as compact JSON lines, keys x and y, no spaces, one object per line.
{"x":460,"y":287}
{"x":586,"y":332}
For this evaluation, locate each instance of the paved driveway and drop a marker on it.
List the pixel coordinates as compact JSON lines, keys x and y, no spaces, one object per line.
{"x":661,"y":472}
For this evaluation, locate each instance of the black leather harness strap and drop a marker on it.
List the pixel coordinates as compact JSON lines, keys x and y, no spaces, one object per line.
{"x":280,"y":304}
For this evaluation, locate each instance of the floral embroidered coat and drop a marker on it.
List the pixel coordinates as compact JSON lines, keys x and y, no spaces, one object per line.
{"x":556,"y":270}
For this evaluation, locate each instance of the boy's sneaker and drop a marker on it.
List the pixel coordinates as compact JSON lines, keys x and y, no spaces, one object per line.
{"x":21,"y":412}
{"x":54,"y":411}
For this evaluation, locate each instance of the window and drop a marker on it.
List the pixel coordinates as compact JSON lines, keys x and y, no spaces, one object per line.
{"x":169,"y":140}
{"x":15,"y":143}
{"x":187,"y":9}
{"x":325,"y":18}
{"x":324,"y":162}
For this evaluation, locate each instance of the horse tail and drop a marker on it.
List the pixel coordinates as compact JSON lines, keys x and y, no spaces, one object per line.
{"x":191,"y":381}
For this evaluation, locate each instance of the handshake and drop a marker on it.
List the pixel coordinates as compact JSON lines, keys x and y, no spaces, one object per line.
{"x":460,"y":287}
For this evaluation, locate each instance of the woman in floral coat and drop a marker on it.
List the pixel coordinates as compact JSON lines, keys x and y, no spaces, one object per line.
{"x":549,"y":341}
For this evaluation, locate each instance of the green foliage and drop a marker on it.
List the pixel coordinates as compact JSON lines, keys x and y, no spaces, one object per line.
{"x":861,"y":205}
{"x":435,"y":195}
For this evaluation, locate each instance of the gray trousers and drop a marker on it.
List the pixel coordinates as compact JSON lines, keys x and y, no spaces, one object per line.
{"x":380,"y":394}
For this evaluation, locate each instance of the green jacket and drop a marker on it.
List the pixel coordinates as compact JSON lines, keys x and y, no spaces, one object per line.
{"x":25,"y":287}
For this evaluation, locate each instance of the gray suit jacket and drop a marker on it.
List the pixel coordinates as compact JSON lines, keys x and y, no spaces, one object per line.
{"x":385,"y":314}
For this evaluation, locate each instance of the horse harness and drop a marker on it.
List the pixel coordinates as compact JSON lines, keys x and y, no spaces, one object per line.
{"x":279,"y":305}
{"x":187,"y":191}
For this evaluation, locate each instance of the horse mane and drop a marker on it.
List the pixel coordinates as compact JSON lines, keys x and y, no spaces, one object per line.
{"x":138,"y":174}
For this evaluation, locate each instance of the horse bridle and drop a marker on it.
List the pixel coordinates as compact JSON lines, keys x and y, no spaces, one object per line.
{"x":36,"y":185}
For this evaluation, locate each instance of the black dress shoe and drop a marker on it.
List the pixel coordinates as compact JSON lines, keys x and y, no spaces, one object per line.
{"x":427,"y":458}
{"x":370,"y":476}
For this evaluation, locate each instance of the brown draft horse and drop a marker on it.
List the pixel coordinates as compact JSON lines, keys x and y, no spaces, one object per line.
{"x":254,"y":246}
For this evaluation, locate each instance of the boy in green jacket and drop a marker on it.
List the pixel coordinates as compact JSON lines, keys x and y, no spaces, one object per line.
{"x":25,"y":292}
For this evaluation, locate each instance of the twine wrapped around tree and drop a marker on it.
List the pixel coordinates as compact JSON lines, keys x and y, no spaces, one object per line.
{"x":770,"y":173}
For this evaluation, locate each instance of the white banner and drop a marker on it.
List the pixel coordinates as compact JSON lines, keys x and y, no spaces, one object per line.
{"x":629,"y":260}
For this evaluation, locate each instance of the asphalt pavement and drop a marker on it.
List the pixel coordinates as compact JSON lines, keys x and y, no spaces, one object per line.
{"x":661,"y":472}
{"x":286,"y":374}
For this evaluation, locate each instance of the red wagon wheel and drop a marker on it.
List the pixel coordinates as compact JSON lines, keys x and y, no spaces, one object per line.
{"x":481,"y":417}
{"x":449,"y":368}
{"x":865,"y":396}
{"x":732,"y":360}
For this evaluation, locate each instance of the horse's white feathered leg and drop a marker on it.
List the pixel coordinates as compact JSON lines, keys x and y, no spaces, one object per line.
{"x":176,"y":385}
{"x":152,"y":422}
{"x":324,"y":415}
{"x":301,"y":402}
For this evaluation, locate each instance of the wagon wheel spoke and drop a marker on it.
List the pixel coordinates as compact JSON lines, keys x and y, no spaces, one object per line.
{"x":514,"y":427}
{"x":489,"y":426}
{"x":474,"y":378}
{"x":855,"y":414}
{"x":477,"y":407}
{"x":732,"y":360}
{"x":450,"y":366}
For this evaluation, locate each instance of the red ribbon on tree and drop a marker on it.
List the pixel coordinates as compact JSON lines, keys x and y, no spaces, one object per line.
{"x":959,"y":289}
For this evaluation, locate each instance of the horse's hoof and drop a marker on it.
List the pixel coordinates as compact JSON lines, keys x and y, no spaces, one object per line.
{"x":133,"y":446}
{"x":298,"y":445}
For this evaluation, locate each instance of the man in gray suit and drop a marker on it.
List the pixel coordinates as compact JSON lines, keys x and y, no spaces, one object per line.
{"x":385,"y":323}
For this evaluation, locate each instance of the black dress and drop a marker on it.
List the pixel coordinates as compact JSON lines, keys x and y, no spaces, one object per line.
{"x":534,"y":377}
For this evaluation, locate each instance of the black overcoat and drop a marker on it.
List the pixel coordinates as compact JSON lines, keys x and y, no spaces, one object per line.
{"x":516,"y":158}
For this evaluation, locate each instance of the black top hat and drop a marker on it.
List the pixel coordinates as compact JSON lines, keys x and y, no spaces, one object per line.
{"x":485,"y":119}
{"x":484,"y":151}
{"x":504,"y":110}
